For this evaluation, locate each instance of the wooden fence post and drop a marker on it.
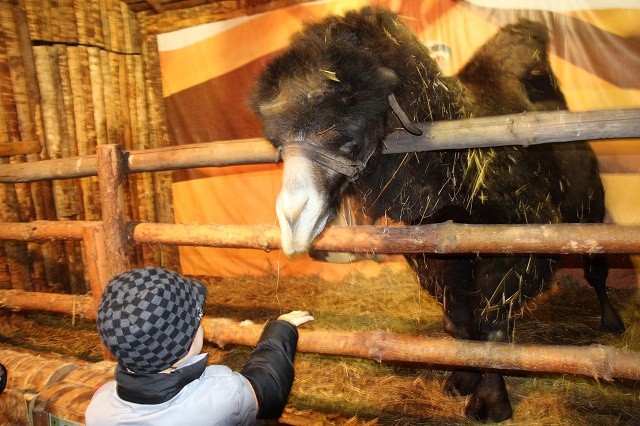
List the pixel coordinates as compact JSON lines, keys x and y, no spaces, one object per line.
{"x":106,"y":245}
{"x":110,"y":181}
{"x":99,"y":267}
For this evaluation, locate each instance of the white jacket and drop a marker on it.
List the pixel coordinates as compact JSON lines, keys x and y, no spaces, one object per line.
{"x":219,"y":397}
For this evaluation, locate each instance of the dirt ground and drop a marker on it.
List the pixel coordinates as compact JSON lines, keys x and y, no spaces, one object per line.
{"x":348,"y":391}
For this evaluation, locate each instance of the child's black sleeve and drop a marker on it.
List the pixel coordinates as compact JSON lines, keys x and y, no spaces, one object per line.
{"x":270,"y":368}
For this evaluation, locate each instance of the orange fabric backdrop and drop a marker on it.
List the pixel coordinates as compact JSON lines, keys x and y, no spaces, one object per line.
{"x":208,"y":70}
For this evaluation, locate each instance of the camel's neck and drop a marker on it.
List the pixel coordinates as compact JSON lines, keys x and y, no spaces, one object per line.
{"x":395,"y":185}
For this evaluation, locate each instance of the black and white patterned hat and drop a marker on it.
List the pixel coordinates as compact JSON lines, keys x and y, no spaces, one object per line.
{"x":148,"y":317}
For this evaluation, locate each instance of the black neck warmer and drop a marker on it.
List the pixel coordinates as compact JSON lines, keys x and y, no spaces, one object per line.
{"x":156,"y":388}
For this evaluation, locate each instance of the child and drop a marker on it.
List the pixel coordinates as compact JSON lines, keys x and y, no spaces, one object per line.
{"x":149,"y":318}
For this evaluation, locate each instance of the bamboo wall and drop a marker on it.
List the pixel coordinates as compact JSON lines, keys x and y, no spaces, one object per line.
{"x":75,"y":74}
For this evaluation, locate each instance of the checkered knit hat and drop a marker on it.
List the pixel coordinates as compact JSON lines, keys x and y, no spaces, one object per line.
{"x":148,"y":317}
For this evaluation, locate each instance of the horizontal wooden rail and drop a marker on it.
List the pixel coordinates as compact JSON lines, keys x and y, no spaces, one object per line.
{"x":446,"y":237}
{"x":241,"y":151}
{"x":530,"y":128}
{"x":593,"y":361}
{"x":515,"y":129}
{"x":67,"y":304}
{"x":44,"y":230}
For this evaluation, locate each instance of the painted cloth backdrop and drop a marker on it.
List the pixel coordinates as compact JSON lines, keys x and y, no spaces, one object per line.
{"x":208,"y":71}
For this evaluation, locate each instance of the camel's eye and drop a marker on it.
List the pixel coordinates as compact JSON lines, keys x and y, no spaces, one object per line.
{"x":349,"y":147}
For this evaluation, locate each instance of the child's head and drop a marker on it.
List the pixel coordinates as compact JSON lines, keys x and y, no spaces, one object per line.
{"x":148,"y":318}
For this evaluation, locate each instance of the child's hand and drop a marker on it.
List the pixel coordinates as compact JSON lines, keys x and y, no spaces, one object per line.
{"x":297,"y":317}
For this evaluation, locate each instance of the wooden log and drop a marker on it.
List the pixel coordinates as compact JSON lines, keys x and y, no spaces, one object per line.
{"x":9,"y":127}
{"x":67,"y":103}
{"x":436,"y":238}
{"x":99,"y":269}
{"x":20,"y":70}
{"x":595,"y":361}
{"x":42,"y":230}
{"x":178,"y":17}
{"x":111,"y":194}
{"x":108,"y":88}
{"x":80,"y":12}
{"x":140,"y":127}
{"x":49,"y":81}
{"x":94,"y":23}
{"x":87,"y":146}
{"x":39,"y":20}
{"x":445,"y":237}
{"x":74,"y":100}
{"x":19,"y":148}
{"x":16,"y":202}
{"x":55,"y":272}
{"x":55,"y":119}
{"x":155,"y":99}
{"x":28,"y":375}
{"x":128,"y":29}
{"x":53,"y":14}
{"x":530,"y":128}
{"x":83,"y":100}
{"x":117,"y":26}
{"x":241,"y":151}
{"x":97,"y":94}
{"x":258,"y":150}
{"x":5,"y":276}
{"x":63,"y":168}
{"x":17,"y":255}
{"x":67,"y":22}
{"x":26,"y":90}
{"x":73,"y":305}
{"x":86,"y":190}
{"x":27,"y":96}
{"x":120,"y":77}
{"x":53,"y":71}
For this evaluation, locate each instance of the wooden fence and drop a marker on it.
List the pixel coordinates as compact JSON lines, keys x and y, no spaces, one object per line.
{"x":106,"y":243}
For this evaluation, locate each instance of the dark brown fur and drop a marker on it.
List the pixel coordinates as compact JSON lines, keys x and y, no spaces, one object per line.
{"x":372,"y":55}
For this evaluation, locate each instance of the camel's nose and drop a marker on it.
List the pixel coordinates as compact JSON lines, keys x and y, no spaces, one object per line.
{"x":302,"y":208}
{"x":292,"y":204}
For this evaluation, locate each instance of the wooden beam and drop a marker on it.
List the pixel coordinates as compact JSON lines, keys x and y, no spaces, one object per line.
{"x":43,"y":230}
{"x":595,"y":361}
{"x":218,"y":154}
{"x":516,"y":129}
{"x":19,"y":148}
{"x":445,"y":237}
{"x":529,"y":128}
{"x":65,"y":304}
{"x":111,"y":181}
